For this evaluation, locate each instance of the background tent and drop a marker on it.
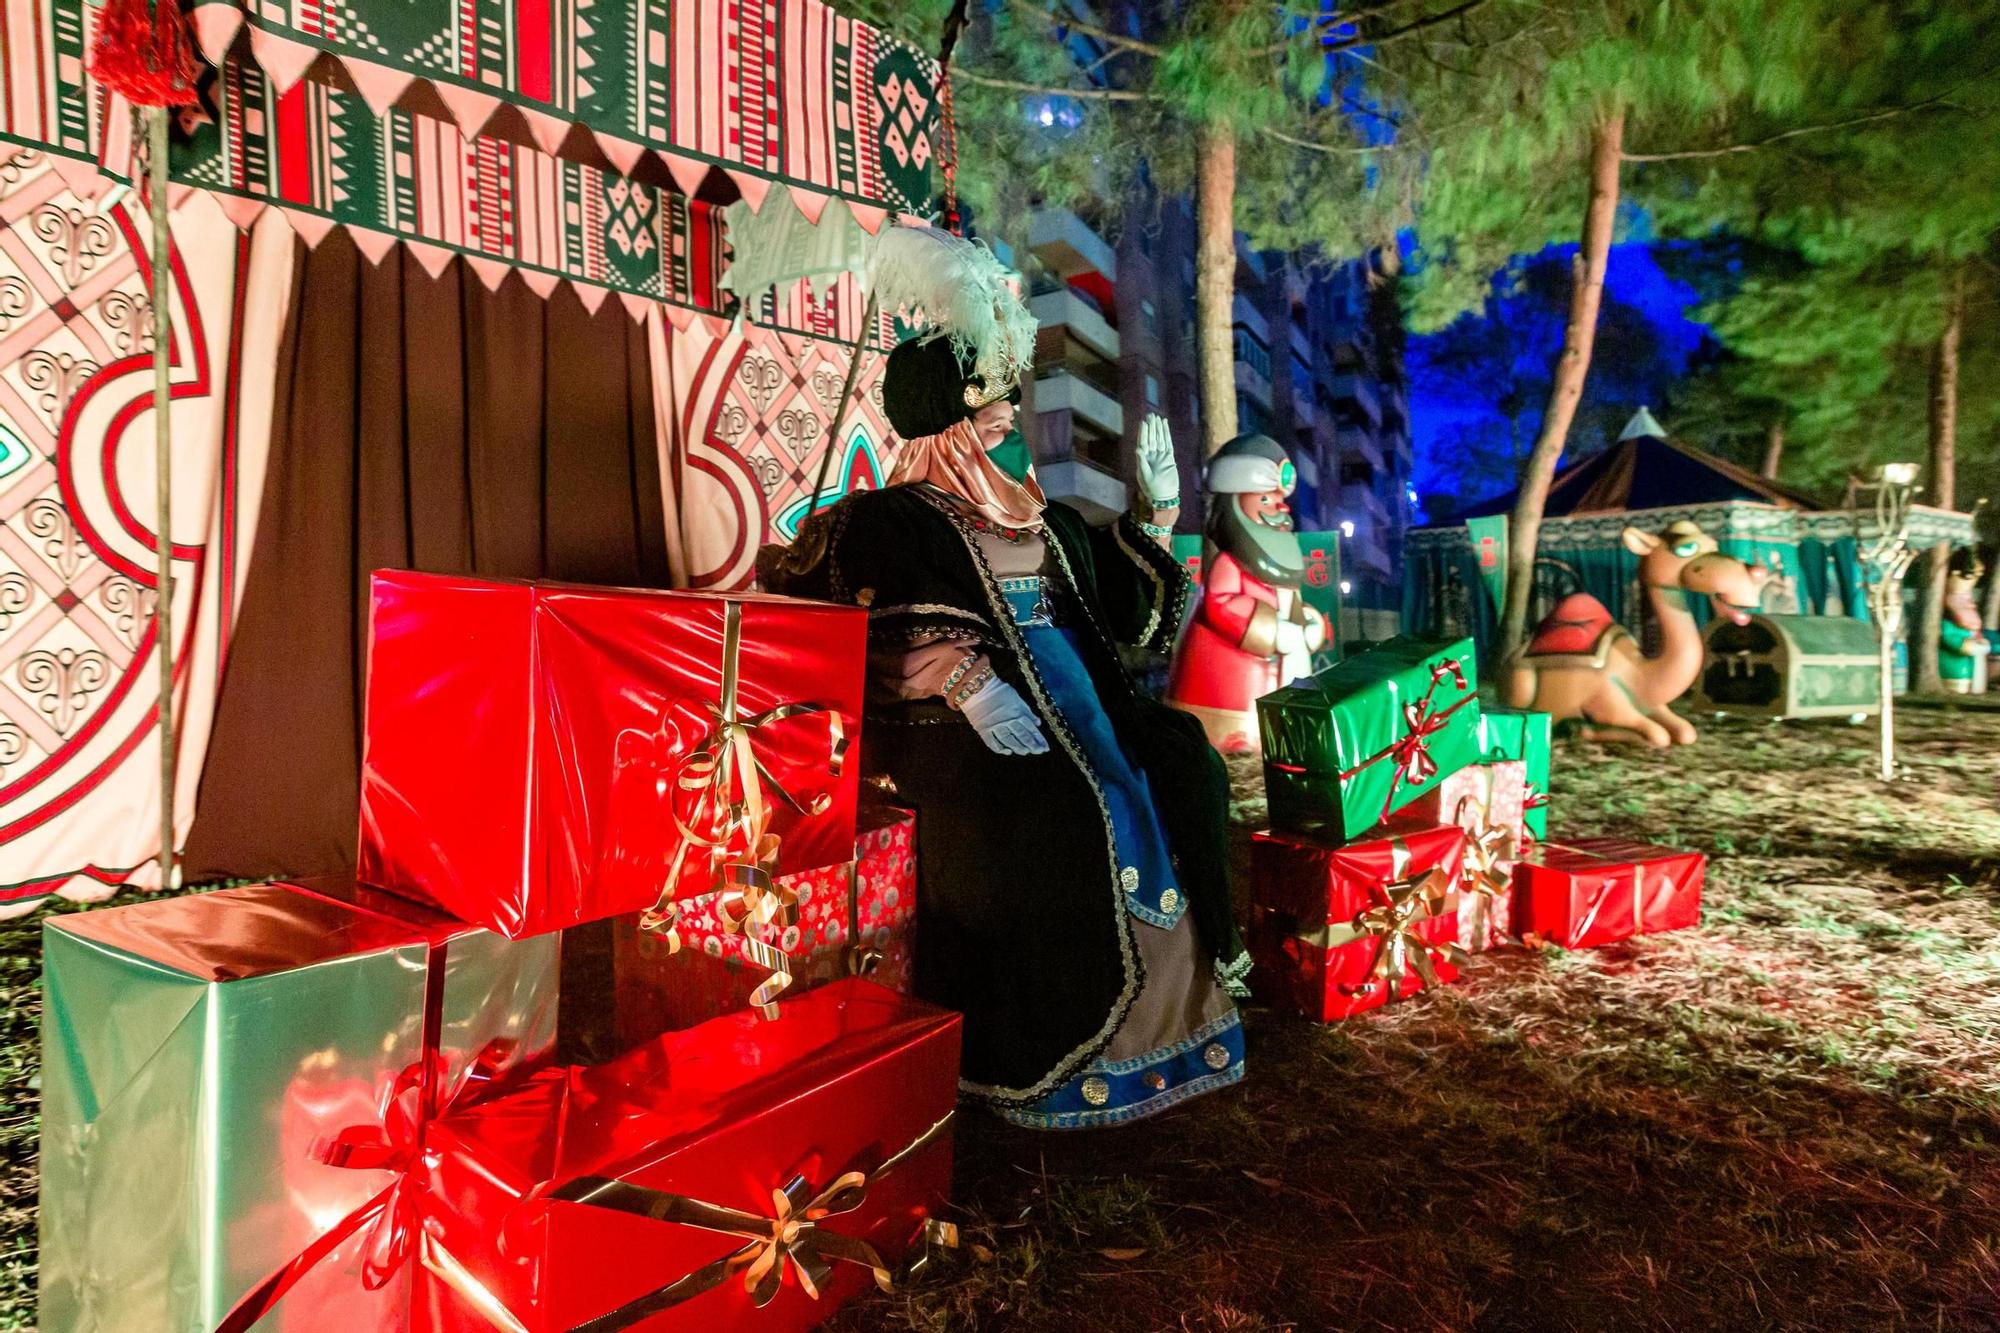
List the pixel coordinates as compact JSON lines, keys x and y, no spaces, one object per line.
{"x":1649,"y":480}
{"x":395,"y":244}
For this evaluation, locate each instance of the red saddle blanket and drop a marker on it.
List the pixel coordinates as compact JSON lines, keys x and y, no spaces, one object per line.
{"x":1576,"y":628}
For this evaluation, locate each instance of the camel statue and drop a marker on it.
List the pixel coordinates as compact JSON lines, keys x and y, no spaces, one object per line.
{"x":1582,"y":663}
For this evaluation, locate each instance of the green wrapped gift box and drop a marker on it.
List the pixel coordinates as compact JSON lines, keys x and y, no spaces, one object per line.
{"x":1360,"y":740}
{"x":1515,"y":734}
{"x":199,"y":1052}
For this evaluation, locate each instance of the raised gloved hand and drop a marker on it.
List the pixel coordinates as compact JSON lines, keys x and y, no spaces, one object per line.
{"x":1003,"y":719}
{"x":1159,"y":474}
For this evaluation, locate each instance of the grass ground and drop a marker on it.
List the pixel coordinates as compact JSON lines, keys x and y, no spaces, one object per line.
{"x":1789,"y":1118}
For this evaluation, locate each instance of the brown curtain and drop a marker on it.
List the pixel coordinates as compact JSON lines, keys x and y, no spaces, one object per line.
{"x":420,"y":424}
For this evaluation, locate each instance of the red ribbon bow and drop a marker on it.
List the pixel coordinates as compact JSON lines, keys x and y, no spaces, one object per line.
{"x":394,"y":1214}
{"x":1411,"y":754}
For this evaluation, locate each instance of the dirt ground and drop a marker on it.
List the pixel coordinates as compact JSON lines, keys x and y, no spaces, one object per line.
{"x":1789,"y":1118}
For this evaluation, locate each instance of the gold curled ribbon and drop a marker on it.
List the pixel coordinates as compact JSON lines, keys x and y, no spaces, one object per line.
{"x":730,"y":823}
{"x":862,"y":959}
{"x":790,"y":1236}
{"x":1487,"y":850}
{"x":1400,"y":951}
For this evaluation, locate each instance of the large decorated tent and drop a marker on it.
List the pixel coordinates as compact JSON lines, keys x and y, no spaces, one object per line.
{"x":396,"y":229}
{"x":1649,"y":480}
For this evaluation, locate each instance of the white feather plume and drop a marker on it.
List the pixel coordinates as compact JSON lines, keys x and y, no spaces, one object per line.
{"x":962,"y":290}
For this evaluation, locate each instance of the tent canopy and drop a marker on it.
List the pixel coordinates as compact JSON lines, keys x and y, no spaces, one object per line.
{"x":1648,"y":470}
{"x":562,"y":142}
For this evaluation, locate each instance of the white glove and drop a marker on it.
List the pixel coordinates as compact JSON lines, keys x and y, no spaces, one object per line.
{"x":1003,"y":719}
{"x":1291,"y":639}
{"x":1159,"y":474}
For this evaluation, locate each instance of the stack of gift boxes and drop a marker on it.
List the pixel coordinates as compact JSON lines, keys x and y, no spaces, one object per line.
{"x":341,"y":1105}
{"x":1410,"y":828}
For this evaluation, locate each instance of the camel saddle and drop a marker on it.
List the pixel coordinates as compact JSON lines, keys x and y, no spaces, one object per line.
{"x":1578,"y":634}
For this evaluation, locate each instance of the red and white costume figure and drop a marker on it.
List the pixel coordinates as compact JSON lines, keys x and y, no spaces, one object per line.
{"x":1252,"y":633}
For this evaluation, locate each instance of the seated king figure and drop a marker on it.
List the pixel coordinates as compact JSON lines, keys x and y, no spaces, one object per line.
{"x":1073,"y":900}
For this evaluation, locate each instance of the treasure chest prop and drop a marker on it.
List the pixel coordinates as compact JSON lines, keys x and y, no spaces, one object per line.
{"x":1791,"y":666}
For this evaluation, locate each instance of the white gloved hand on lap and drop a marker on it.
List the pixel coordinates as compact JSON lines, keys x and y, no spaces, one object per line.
{"x":1003,"y":720}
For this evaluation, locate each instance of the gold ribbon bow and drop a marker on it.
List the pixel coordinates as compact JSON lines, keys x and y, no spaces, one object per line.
{"x":1406,"y":900}
{"x":790,"y":1236}
{"x":731,"y":820}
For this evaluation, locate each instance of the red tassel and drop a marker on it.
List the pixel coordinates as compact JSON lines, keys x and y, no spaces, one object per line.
{"x":142,"y":53}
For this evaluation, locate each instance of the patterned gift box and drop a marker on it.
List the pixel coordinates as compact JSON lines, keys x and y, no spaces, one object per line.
{"x":203,"y":1058}
{"x":1339,"y":931}
{"x":1597,"y":890}
{"x":1488,"y":802}
{"x":1514,"y":733}
{"x":853,"y":919}
{"x":1361,"y":740}
{"x":539,"y":755}
{"x":740,"y":1174}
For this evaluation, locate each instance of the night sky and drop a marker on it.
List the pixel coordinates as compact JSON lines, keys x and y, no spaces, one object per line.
{"x":1460,"y":436}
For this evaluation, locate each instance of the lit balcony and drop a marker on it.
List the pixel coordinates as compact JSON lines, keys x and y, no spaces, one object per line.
{"x":1066,"y":310}
{"x":1358,"y":500}
{"x":1365,"y":557}
{"x":1357,"y":390}
{"x":1395,"y":407}
{"x":1068,"y":245}
{"x":1083,"y":485}
{"x":1352,"y":441}
{"x":1247,"y":316}
{"x":1249,"y":264}
{"x":1301,"y":345}
{"x":1253,"y":384}
{"x":1064,"y":392}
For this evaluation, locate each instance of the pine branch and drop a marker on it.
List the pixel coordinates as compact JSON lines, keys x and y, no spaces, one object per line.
{"x":1074,"y":24}
{"x":1694,"y":153}
{"x":1332,"y":150}
{"x":1016,"y":85}
{"x":1394,"y":34}
{"x":1317,"y":27}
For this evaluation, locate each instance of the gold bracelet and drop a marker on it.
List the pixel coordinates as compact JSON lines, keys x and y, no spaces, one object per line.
{"x":958,"y":673}
{"x":974,"y":683}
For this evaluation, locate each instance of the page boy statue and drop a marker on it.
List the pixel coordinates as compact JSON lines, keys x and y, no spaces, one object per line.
{"x":1252,"y":631}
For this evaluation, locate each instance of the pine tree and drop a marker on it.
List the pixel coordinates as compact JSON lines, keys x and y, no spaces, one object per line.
{"x":1253,"y":109}
{"x":1541,"y":113}
{"x":1881,"y":191}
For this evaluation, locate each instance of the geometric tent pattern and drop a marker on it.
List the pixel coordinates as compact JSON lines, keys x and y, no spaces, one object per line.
{"x":784,"y":92}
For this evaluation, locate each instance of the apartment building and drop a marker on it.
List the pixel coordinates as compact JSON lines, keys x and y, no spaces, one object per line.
{"x":1318,"y":368}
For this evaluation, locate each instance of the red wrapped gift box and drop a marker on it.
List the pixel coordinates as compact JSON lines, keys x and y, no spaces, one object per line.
{"x":1489,"y":801}
{"x":853,"y":919}
{"x":1338,"y":931}
{"x":535,"y":755}
{"x":636,"y":1192}
{"x":1597,"y":890}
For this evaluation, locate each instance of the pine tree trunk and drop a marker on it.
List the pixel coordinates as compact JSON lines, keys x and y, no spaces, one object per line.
{"x":1566,"y":388}
{"x":1944,"y":482}
{"x":1215,"y":282}
{"x":1774,"y":448}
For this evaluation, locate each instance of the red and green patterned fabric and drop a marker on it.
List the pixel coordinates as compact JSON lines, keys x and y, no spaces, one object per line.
{"x":329,"y":156}
{"x":780,"y":92}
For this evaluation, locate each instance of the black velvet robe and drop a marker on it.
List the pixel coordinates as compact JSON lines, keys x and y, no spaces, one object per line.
{"x":1022,"y":922}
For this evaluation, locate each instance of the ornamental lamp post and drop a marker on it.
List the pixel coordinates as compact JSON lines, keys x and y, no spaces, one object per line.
{"x":1885,"y":557}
